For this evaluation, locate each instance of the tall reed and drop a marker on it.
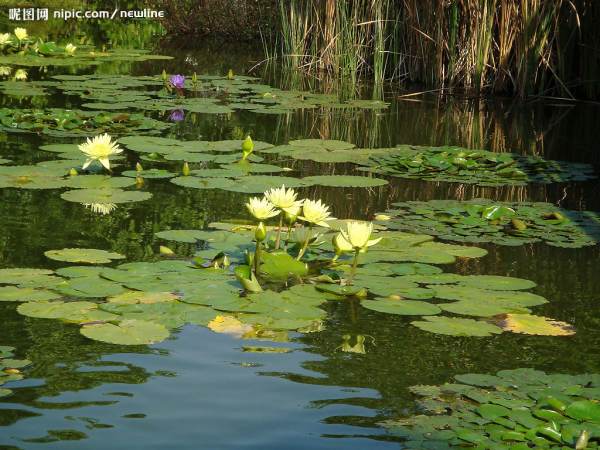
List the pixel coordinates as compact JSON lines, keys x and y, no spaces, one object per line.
{"x":521,"y":47}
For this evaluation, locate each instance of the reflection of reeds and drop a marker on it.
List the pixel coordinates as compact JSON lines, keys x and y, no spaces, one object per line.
{"x":521,"y":46}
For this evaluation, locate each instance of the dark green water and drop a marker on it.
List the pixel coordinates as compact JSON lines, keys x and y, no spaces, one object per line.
{"x":200,"y":389}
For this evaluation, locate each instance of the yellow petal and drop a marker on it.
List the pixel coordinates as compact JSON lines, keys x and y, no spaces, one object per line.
{"x":105,"y":162}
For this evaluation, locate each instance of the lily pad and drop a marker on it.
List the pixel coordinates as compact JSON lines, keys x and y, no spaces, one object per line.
{"x":105,"y":196}
{"x":20,"y":294}
{"x":344,"y":181}
{"x":402,"y":307}
{"x":83,"y":255}
{"x":530,"y":324}
{"x":127,"y":332}
{"x":454,"y":326}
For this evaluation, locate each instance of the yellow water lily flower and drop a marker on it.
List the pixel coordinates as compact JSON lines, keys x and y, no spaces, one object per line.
{"x":70,"y":49}
{"x":21,"y":75}
{"x":261,"y":208}
{"x":315,"y":212}
{"x":341,"y":245}
{"x":99,"y":149}
{"x":5,"y":71}
{"x":284,"y":199}
{"x":358,"y":235}
{"x":20,"y":33}
{"x":101,"y":208}
{"x":5,"y":38}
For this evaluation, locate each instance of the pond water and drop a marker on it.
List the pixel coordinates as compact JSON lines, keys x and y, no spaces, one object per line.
{"x":201,"y":388}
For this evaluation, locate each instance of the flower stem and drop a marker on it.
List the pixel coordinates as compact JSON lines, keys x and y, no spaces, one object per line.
{"x":278,"y":239}
{"x":305,"y":245}
{"x":257,"y":258}
{"x":354,"y":264}
{"x":289,"y":235}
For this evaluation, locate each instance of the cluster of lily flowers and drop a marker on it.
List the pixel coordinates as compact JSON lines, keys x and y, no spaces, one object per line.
{"x":19,"y":75}
{"x":19,"y":39}
{"x":282,"y":202}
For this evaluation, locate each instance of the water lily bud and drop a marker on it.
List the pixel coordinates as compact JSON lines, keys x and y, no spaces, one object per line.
{"x":139,"y":181}
{"x":247,"y":147}
{"x":138,"y":167}
{"x":230,"y":74}
{"x":12,"y":371}
{"x":164,"y":75}
{"x":382,"y":217}
{"x":194,"y":78}
{"x":186,"y":169}
{"x":73,"y":172}
{"x":166,"y":251}
{"x":261,"y":232}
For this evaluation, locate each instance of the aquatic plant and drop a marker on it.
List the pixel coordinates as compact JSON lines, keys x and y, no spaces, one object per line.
{"x":247,"y":147}
{"x":481,"y":167}
{"x":357,"y":235}
{"x":503,"y":223}
{"x":10,"y":368}
{"x":262,"y":209}
{"x":20,"y":34}
{"x":70,"y":49}
{"x":177,"y":115}
{"x":20,"y":75}
{"x":518,"y":409}
{"x":285,"y":200}
{"x":177,"y":81}
{"x":492,"y":45}
{"x":100,"y":149}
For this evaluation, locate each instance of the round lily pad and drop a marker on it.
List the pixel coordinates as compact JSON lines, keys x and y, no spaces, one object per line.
{"x":344,"y":181}
{"x":105,"y":196}
{"x":20,"y":294}
{"x":454,"y":326}
{"x":402,"y":307}
{"x":149,"y":173}
{"x":83,"y":255}
{"x":98,"y":182}
{"x":127,"y":332}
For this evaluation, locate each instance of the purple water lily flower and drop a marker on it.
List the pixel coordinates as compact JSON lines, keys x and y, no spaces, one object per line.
{"x":177,"y":81}
{"x":177,"y":115}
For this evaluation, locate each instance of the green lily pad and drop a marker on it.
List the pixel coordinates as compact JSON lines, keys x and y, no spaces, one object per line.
{"x":105,"y":196}
{"x":127,"y":332}
{"x":344,"y":181}
{"x":83,"y":255}
{"x":402,"y":307}
{"x":148,"y":173}
{"x":454,"y":326}
{"x":98,"y":182}
{"x":20,"y":294}
{"x":584,"y":410}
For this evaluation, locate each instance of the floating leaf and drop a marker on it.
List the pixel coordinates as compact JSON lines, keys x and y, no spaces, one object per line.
{"x":104,"y":196}
{"x":83,"y":255}
{"x":127,"y":332}
{"x":454,"y":326}
{"x":20,"y":294}
{"x":530,"y":324}
{"x":135,"y":297}
{"x":402,"y":307}
{"x":344,"y":181}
